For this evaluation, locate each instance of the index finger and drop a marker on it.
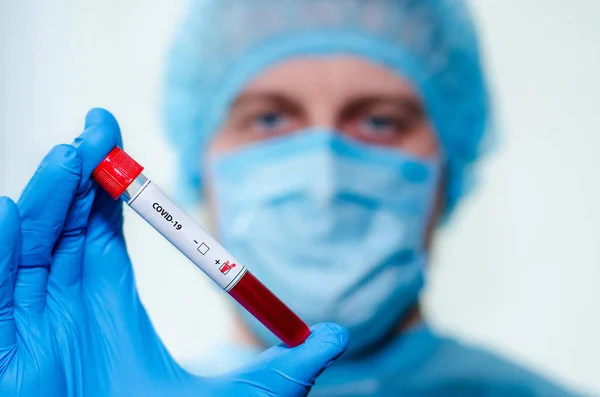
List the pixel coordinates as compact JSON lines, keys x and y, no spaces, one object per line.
{"x":101,"y":135}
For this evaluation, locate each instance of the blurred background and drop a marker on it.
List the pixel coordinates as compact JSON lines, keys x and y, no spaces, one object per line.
{"x":516,"y":271}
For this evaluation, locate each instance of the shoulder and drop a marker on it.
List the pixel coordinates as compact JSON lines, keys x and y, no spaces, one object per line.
{"x":458,"y":366}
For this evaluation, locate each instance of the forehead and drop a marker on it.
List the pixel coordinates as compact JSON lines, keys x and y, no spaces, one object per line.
{"x":344,"y":74}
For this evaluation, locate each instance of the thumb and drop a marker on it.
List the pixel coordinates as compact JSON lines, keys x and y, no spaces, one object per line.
{"x":294,"y":370}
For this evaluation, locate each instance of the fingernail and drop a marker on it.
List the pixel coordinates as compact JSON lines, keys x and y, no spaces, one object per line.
{"x":333,"y":332}
{"x":340,"y":332}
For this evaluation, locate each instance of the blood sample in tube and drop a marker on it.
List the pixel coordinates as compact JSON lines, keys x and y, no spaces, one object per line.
{"x":121,"y":177}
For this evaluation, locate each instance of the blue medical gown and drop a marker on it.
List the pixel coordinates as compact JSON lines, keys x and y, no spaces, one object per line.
{"x":417,"y":363}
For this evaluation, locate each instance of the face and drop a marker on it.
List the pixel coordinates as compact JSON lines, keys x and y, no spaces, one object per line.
{"x":353,"y":96}
{"x":270,"y":228}
{"x":360,"y":99}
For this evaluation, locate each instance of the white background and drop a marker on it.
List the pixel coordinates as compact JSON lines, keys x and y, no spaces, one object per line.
{"x":518,"y":269}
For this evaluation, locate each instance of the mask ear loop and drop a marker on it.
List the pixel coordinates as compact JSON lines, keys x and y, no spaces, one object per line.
{"x":437,"y":207}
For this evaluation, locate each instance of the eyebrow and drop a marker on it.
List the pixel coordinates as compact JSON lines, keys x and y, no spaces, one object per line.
{"x":352,"y":106}
{"x":280,"y":100}
{"x":411,"y":104}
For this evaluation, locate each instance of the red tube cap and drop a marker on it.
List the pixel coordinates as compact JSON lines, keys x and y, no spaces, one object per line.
{"x":116,"y":172}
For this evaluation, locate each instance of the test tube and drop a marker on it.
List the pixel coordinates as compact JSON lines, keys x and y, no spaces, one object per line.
{"x":121,"y":176}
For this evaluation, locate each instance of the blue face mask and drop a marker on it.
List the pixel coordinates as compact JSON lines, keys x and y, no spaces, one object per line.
{"x":333,"y":227}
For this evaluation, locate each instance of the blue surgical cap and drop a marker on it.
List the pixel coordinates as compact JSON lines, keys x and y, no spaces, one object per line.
{"x":221,"y":44}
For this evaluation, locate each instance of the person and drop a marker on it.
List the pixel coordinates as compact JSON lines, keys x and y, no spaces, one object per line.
{"x":71,"y":321}
{"x":328,"y":140}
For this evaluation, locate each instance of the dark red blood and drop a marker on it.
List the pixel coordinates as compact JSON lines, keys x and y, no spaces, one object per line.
{"x":269,"y":310}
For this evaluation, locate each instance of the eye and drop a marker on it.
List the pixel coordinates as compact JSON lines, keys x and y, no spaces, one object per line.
{"x":378,"y":124}
{"x":378,"y":128}
{"x":271,"y":122}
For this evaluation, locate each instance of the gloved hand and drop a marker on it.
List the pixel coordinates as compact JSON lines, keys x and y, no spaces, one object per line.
{"x":71,"y":322}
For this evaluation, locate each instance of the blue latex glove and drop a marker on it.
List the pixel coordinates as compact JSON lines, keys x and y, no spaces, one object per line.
{"x":71,"y":321}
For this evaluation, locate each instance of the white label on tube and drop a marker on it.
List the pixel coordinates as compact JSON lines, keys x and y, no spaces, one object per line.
{"x":189,"y":238}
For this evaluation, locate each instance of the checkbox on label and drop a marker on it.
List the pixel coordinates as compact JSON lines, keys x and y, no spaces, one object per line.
{"x":203,"y":248}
